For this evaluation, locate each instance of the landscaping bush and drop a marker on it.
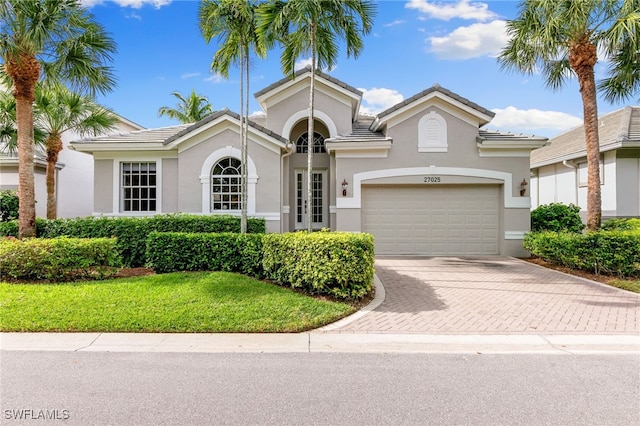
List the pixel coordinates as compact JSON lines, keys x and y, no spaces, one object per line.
{"x":132,"y":232}
{"x":9,"y":203}
{"x":622,"y":225}
{"x":339,"y":264}
{"x":608,"y":252}
{"x":556,"y":217}
{"x":230,"y":252}
{"x":58,"y":259}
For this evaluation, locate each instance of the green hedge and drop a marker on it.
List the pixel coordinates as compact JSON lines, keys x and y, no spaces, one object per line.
{"x":332,"y":263}
{"x":230,"y":252}
{"x":556,"y":217}
{"x":608,"y":252}
{"x":58,"y":259}
{"x":132,"y":232}
{"x":631,"y":224}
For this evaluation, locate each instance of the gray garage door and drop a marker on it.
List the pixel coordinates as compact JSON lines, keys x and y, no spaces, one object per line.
{"x":432,"y":220}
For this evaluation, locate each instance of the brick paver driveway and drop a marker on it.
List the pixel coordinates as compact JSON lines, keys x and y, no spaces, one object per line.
{"x":494,"y":295}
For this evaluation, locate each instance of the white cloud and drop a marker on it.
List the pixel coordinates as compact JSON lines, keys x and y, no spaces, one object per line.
{"x":135,"y":4}
{"x":134,"y":15}
{"x":447,"y":11}
{"x":215,"y":78}
{"x":471,"y":42}
{"x":378,"y":99}
{"x":257,"y":114}
{"x":306,"y":62}
{"x":394,"y":23}
{"x":187,"y":75}
{"x":512,"y":119}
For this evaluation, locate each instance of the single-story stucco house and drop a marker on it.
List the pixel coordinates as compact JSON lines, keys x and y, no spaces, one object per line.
{"x":422,"y":176}
{"x":559,"y":170}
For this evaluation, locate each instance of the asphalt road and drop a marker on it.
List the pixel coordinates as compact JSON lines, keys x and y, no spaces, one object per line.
{"x":101,"y":388}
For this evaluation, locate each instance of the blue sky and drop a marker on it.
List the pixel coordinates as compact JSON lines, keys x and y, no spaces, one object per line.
{"x":414,"y":44}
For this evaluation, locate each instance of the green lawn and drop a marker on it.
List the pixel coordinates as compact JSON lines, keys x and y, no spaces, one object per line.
{"x":629,"y":284}
{"x":177,"y":302}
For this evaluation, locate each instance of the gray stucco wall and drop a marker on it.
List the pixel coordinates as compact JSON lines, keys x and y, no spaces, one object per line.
{"x":103,"y":186}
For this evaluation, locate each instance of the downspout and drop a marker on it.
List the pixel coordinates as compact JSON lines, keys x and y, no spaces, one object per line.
{"x":573,"y":167}
{"x":290,"y":150}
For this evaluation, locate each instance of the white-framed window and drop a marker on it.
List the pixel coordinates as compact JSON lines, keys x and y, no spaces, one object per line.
{"x":432,"y":133}
{"x":138,"y":186}
{"x":226,"y":185}
{"x":302,"y":144}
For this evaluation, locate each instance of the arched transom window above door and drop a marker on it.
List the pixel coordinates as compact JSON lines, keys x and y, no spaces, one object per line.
{"x":302,"y":144}
{"x":226,"y":183}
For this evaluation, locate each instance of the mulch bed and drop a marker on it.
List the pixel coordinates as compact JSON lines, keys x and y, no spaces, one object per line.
{"x":605,"y":279}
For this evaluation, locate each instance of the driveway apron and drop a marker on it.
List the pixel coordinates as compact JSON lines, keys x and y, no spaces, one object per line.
{"x":493,"y":295}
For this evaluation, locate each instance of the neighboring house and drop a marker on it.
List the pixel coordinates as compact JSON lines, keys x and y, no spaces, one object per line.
{"x":74,"y":177}
{"x":559,"y":170}
{"x":422,"y":176}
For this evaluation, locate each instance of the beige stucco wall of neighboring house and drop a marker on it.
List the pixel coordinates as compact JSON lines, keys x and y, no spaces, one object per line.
{"x":103,"y":187}
{"x":170,"y":185}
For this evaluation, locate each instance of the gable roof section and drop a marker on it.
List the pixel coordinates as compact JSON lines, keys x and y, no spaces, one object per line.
{"x":617,"y":129}
{"x":280,"y":87}
{"x":482,"y":114}
{"x":167,"y":137}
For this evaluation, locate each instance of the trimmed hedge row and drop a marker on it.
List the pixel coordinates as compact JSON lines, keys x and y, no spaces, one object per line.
{"x":132,"y":232}
{"x":179,"y":251}
{"x":331,"y":263}
{"x":335,"y":263}
{"x":58,"y":259}
{"x":608,"y":252}
{"x":631,"y":224}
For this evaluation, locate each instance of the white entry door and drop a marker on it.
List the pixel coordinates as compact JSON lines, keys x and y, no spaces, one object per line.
{"x":317,"y":204}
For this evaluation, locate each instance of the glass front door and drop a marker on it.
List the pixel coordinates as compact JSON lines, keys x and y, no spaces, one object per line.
{"x":316,"y":204}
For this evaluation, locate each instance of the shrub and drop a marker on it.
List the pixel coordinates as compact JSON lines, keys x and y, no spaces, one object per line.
{"x":609,"y":252}
{"x":9,"y":203}
{"x":622,"y":225}
{"x":339,"y":264}
{"x":230,"y":252}
{"x":556,"y":217}
{"x":132,"y":232}
{"x":58,"y":259}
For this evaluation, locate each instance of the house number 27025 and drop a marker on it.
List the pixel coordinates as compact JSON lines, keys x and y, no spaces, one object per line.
{"x":432,"y":179}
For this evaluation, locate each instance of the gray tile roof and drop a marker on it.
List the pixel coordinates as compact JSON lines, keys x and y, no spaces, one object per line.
{"x":360,"y":131}
{"x":621,"y":126}
{"x":497,"y":135}
{"x":166,"y":135}
{"x":437,"y":88}
{"x":304,"y":71}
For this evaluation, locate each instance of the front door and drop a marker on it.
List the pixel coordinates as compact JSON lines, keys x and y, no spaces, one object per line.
{"x":317,"y":203}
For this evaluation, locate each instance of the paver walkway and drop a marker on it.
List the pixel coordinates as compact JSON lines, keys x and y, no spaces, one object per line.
{"x":494,"y":295}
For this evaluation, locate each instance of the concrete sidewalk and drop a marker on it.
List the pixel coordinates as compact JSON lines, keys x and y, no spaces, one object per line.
{"x":314,"y":342}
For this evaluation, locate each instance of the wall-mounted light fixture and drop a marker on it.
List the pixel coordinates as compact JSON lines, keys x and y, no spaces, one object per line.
{"x":523,"y":187}
{"x":345,"y":185}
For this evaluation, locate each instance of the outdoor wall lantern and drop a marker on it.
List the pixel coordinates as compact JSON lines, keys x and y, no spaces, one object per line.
{"x":345,"y":185}
{"x":523,"y":187}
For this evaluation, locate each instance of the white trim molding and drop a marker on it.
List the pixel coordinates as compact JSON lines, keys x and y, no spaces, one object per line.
{"x":510,"y":201}
{"x":331,"y":126}
{"x":514,"y":235}
{"x":205,"y":178}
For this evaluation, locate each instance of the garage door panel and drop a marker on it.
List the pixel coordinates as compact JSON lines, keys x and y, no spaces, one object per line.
{"x":432,"y":220}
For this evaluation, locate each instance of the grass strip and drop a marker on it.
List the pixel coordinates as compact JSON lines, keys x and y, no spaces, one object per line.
{"x":213,"y":302}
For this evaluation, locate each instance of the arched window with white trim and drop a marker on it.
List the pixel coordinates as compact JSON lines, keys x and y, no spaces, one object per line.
{"x":302,"y":144}
{"x":226,"y":184}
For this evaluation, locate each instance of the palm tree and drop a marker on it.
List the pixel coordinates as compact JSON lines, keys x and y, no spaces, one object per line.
{"x":189,"y":110}
{"x":234,"y":23}
{"x":57,"y":40}
{"x":562,"y":39}
{"x":8,"y":130}
{"x":313,"y":27}
{"x":58,"y":110}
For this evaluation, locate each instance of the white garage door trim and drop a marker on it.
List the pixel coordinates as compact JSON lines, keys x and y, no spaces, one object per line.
{"x":432,"y":220}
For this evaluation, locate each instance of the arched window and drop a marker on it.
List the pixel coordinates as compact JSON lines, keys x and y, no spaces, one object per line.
{"x":302,"y":144}
{"x":226,"y":182}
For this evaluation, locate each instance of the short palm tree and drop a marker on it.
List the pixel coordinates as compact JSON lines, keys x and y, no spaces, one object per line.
{"x":56,"y":40}
{"x":233,"y":22}
{"x":58,"y":110}
{"x":562,"y":39}
{"x":190,"y":109}
{"x":314,"y":27}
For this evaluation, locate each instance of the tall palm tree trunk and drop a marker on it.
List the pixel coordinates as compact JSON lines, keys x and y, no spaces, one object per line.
{"x":245,"y":149}
{"x":582,"y":59}
{"x":54,"y":146}
{"x":25,"y":73}
{"x":243,"y":165}
{"x":310,"y":136}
